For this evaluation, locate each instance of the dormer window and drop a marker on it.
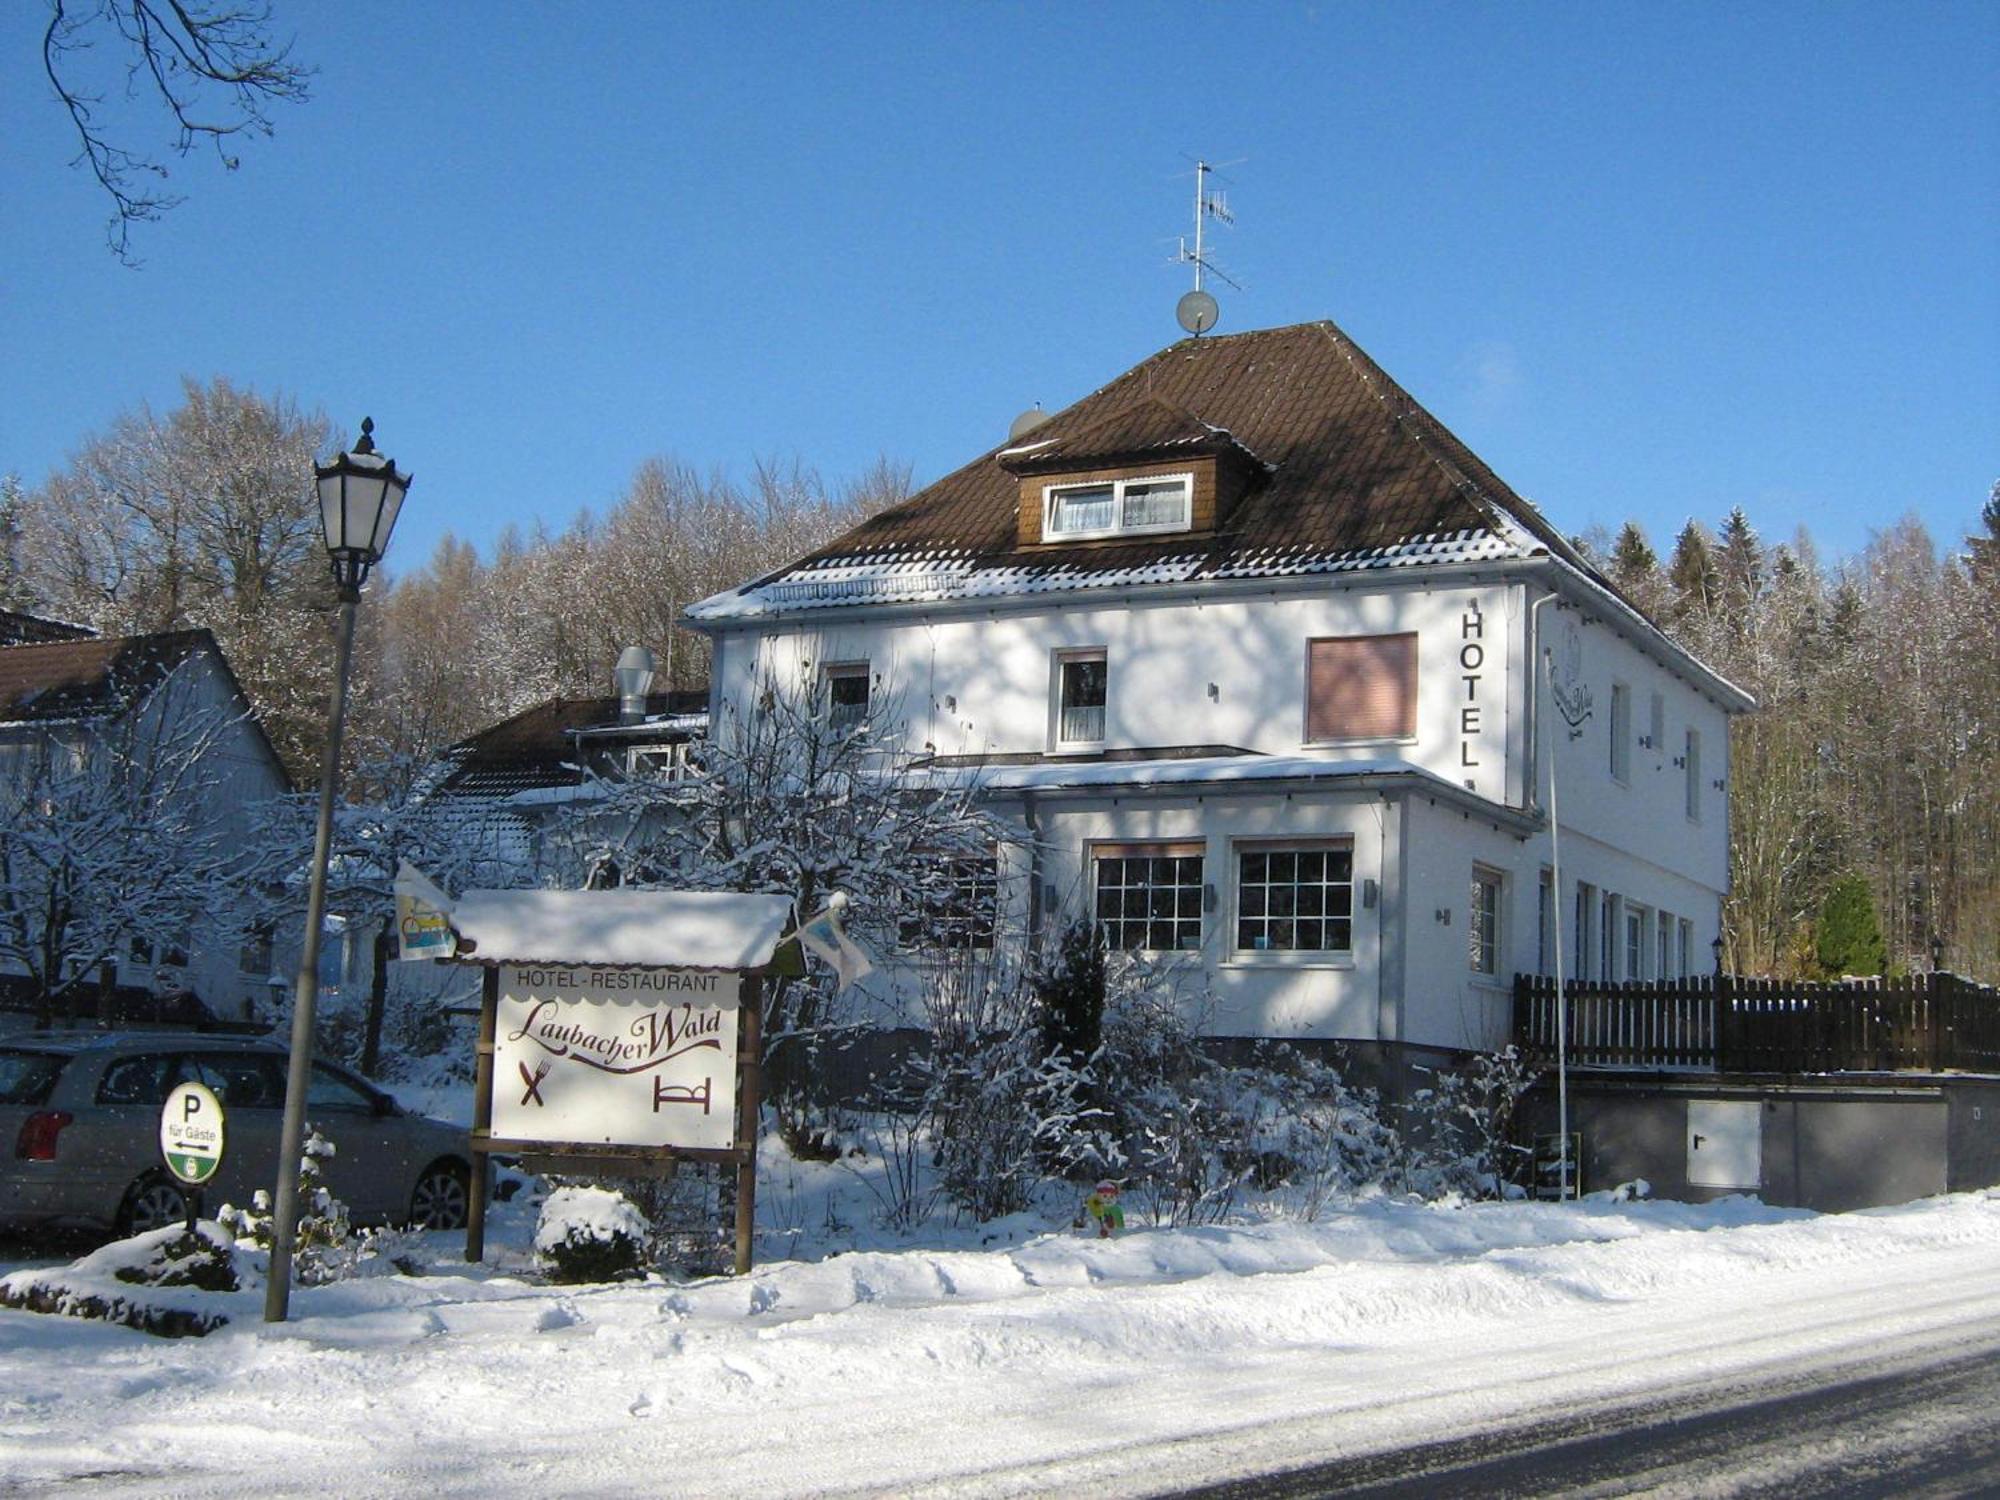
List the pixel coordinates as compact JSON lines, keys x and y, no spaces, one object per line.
{"x":1118,"y":507}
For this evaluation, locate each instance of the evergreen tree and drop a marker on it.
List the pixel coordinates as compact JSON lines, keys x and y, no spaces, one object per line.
{"x":1692,"y":573}
{"x":1849,"y":940}
{"x":1635,"y":569}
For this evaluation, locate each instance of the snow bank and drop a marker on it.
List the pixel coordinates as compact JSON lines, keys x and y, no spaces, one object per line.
{"x":1062,"y":1359}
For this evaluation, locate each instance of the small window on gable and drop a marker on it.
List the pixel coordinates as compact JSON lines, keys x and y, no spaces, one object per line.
{"x":847,"y":694}
{"x":1118,"y":507}
{"x":1361,"y":687}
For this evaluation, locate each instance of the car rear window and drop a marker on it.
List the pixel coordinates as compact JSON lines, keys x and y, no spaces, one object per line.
{"x":27,"y":1077}
{"x":145,"y":1079}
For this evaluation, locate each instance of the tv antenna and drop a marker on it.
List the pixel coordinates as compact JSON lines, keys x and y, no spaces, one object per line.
{"x":1197,"y":310}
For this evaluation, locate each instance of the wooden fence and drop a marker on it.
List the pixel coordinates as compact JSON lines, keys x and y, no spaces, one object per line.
{"x":1729,"y":1024}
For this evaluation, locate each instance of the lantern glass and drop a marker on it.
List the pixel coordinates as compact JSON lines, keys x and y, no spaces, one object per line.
{"x":360,"y":496}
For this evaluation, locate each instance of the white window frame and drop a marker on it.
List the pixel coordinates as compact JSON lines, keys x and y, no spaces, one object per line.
{"x":1663,"y":945}
{"x":1149,"y":850}
{"x":668,"y":763}
{"x":1323,"y":957}
{"x":1064,"y":659}
{"x":845,"y":716}
{"x":1052,"y":494}
{"x":1483,"y":941}
{"x":1621,"y":733}
{"x":1691,"y":764}
{"x":1635,"y":930}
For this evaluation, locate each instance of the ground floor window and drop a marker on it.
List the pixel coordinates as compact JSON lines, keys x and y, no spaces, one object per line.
{"x":1635,"y":942}
{"x":1295,"y":898}
{"x":1483,"y":931}
{"x":1149,"y":896}
{"x":1663,"y":948}
{"x":958,"y":901}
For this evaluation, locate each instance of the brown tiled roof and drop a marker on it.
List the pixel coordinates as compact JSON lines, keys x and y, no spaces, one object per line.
{"x":1146,"y":428}
{"x":536,"y":748}
{"x":89,"y":678}
{"x":19,"y":629}
{"x":1354,"y":464}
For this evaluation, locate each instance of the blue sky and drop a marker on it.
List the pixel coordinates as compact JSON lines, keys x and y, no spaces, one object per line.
{"x":1649,"y":261}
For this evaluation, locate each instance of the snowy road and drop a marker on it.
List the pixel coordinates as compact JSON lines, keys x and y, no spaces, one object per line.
{"x":1161,"y":1361}
{"x":1918,"y":1423}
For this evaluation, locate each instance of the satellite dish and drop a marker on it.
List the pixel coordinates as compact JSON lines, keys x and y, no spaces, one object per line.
{"x":1026,"y":423}
{"x":1197,"y":312}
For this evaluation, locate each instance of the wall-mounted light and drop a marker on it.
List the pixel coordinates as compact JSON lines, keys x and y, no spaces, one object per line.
{"x":1208,"y":895}
{"x":1444,"y":916}
{"x":1214,"y":693}
{"x":1370,"y":894}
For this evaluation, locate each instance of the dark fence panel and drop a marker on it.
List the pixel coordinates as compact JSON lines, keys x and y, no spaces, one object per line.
{"x":1927,"y":1023}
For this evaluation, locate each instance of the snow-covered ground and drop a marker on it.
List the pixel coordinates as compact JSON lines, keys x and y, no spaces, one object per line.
{"x":1055,"y":1362}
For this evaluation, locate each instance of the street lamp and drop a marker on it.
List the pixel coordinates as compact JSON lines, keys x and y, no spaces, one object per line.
{"x":360,"y":494}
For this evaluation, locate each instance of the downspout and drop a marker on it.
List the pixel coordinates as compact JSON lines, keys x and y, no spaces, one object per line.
{"x":1547,"y":669}
{"x":1034,"y":870}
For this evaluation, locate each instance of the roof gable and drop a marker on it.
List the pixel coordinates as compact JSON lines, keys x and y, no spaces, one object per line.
{"x":1356,"y":473}
{"x":91,"y":678}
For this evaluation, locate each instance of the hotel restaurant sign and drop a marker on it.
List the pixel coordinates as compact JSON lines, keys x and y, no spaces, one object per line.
{"x":616,"y":1057}
{"x":621,"y":1027}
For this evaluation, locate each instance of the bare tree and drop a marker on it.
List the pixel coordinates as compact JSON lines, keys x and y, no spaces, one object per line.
{"x":211,"y":64}
{"x":119,"y":830}
{"x":203,"y":517}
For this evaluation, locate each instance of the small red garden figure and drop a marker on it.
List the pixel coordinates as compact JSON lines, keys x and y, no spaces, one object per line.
{"x":1102,"y":1205}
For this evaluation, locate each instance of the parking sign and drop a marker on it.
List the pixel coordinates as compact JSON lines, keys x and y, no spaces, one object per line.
{"x":191,"y":1133}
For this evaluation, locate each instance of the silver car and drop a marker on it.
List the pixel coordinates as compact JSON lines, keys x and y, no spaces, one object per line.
{"x":80,"y":1133}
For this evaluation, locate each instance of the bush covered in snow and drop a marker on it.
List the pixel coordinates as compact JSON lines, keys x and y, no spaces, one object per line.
{"x":325,"y":1247}
{"x":590,"y":1234}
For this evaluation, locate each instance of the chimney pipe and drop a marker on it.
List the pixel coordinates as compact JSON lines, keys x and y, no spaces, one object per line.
{"x":633,"y":676}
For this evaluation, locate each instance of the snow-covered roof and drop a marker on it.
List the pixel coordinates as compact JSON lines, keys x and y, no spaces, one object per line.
{"x":935,"y":577}
{"x":1219,"y":775}
{"x":664,"y":929}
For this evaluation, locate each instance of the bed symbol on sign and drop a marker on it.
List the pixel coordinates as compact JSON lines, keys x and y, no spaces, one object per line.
{"x":683,"y":1093}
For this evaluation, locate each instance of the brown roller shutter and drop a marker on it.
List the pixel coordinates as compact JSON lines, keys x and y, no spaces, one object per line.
{"x":1361,"y":687}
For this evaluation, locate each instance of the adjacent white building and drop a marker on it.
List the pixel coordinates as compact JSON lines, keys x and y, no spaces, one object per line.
{"x":1281,"y":678}
{"x":132,"y":770}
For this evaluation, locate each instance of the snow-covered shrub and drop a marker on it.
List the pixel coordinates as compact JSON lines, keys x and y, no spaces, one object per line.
{"x":169,"y":1260}
{"x":1460,"y":1131}
{"x":204,"y":1259}
{"x":1001,"y":1107}
{"x":588,"y":1234}
{"x":1175,"y":1139}
{"x":1310,"y":1131}
{"x":325,"y":1247}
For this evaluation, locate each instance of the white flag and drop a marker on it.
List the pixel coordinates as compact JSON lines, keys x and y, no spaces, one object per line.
{"x":423,"y":928}
{"x":826,"y":937}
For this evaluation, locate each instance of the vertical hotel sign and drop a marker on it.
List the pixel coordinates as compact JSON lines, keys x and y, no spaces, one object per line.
{"x":616,"y":1057}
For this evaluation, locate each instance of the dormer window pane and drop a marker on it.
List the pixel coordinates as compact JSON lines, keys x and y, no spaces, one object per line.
{"x":1087,"y":509}
{"x":1161,"y":502}
{"x":1120,"y":508}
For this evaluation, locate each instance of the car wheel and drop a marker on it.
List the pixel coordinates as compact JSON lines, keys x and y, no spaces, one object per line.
{"x":153,"y":1202}
{"x":441,"y":1195}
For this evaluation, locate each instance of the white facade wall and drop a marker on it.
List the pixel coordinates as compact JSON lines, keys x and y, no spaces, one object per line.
{"x":1646,"y":811}
{"x":1228,"y":670}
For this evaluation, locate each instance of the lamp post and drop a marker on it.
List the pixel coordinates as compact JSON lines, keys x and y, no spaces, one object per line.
{"x":360,"y":494}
